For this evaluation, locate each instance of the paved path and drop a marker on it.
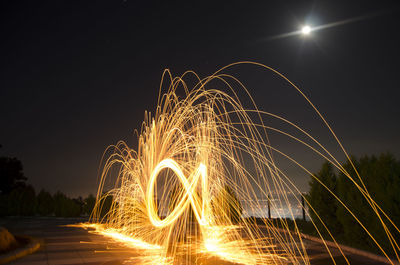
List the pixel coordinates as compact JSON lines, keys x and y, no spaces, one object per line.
{"x":63,"y":245}
{"x":75,"y":246}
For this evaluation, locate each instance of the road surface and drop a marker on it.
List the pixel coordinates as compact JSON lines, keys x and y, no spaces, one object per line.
{"x":75,"y":246}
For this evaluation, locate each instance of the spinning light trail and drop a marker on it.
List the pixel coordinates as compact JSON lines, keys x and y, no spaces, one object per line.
{"x":203,"y":163}
{"x":190,"y":195}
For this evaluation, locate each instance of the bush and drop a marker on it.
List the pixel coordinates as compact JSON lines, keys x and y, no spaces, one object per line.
{"x":44,"y":203}
{"x":322,"y":200}
{"x":7,"y":240}
{"x":381,"y":177}
{"x":228,"y":204}
{"x":20,"y":201}
{"x":11,"y":174}
{"x":88,"y":204}
{"x":65,"y":207}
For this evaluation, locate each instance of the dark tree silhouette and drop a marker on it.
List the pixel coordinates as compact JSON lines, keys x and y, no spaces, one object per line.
{"x":381,"y":176}
{"x":18,"y":198}
{"x":44,"y":203}
{"x":228,"y":204}
{"x":323,"y":202}
{"x":20,"y":201}
{"x":89,"y":204}
{"x":64,"y":206}
{"x":11,"y":174}
{"x":106,"y":205}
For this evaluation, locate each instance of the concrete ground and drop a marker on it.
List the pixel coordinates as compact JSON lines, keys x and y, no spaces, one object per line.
{"x":72,"y":246}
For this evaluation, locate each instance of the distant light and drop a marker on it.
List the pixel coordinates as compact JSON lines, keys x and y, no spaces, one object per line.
{"x":306,"y":30}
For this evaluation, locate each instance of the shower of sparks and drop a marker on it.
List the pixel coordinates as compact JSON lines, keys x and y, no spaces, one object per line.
{"x":177,"y":197}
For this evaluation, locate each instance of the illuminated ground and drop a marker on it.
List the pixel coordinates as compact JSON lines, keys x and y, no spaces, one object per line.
{"x":63,"y":245}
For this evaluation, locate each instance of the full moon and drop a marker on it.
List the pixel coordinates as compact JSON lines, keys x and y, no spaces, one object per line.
{"x":306,"y":30}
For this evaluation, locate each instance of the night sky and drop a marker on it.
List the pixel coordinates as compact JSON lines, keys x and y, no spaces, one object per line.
{"x":77,"y":76}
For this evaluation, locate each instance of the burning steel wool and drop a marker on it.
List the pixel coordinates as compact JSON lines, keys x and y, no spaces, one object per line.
{"x":179,"y":197}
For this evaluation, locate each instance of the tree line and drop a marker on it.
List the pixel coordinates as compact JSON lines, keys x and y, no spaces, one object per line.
{"x":17,"y":198}
{"x":381,"y":177}
{"x":23,"y":201}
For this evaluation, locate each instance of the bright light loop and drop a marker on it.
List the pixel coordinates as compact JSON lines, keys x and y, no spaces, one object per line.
{"x":190,"y":195}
